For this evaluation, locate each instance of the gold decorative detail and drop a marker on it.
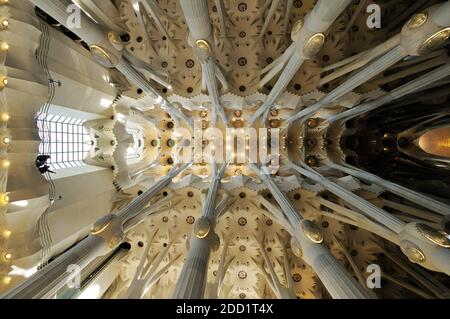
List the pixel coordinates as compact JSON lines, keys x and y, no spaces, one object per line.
{"x":101,"y":224}
{"x":115,"y":241}
{"x":434,"y":41}
{"x":412,"y":251}
{"x":203,"y":50}
{"x":4,"y":199}
{"x":115,"y":40}
{"x":7,"y":256}
{"x":296,"y":28}
{"x":203,"y":114}
{"x":312,"y":123}
{"x":238,"y":113}
{"x":417,"y":20}
{"x":6,"y":280}
{"x":204,"y":124}
{"x":435,"y":236}
{"x":275,"y":123}
{"x":296,"y":248}
{"x":238,"y":123}
{"x":312,"y":161}
{"x":274,"y":112}
{"x":104,"y":57}
{"x":314,"y":45}
{"x":202,"y":227}
{"x":312,"y":231}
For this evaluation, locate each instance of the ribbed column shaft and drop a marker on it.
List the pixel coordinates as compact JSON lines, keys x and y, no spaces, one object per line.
{"x":192,"y":281}
{"x":367,"y":208}
{"x":211,"y":83}
{"x":413,"y":196}
{"x":336,"y":278}
{"x":137,"y":79}
{"x":90,"y":31}
{"x":269,"y":17}
{"x":324,"y":14}
{"x":136,"y":205}
{"x":413,"y":86}
{"x":198,"y":21}
{"x":197,"y":18}
{"x":318,"y":20}
{"x":221,"y":11}
{"x":294,"y":63}
{"x":47,"y":281}
{"x":333,"y":275}
{"x":441,"y":16}
{"x":378,"y":66}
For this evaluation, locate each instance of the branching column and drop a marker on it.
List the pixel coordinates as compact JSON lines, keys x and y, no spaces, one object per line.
{"x":422,"y":244}
{"x":413,"y":196}
{"x":423,"y":33}
{"x":106,"y":48}
{"x":308,"y":244}
{"x":191,"y":283}
{"x":106,"y":234}
{"x":308,"y":37}
{"x":200,"y":38}
{"x":414,"y":86}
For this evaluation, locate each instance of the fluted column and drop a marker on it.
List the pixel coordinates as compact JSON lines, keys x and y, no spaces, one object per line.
{"x":191,"y":283}
{"x":90,"y":31}
{"x":422,"y":244}
{"x":138,"y":79}
{"x":106,"y":234}
{"x":200,"y":38}
{"x":413,"y":196}
{"x":307,"y":244}
{"x":106,"y":47}
{"x":378,"y":66}
{"x":308,"y":40}
{"x":46,"y":282}
{"x":136,"y":205}
{"x":413,"y":86}
{"x":367,"y":208}
{"x":420,"y":35}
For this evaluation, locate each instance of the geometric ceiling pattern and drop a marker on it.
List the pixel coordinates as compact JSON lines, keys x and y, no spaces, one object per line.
{"x":232,"y":149}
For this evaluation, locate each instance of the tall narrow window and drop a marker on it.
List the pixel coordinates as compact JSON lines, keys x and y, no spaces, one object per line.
{"x":64,"y":139}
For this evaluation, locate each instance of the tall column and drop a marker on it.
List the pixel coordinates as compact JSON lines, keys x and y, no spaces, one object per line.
{"x":413,"y":196}
{"x":191,"y":283}
{"x":421,"y":34}
{"x":376,"y":67}
{"x":308,"y":37}
{"x":422,"y":244}
{"x":200,"y":39}
{"x":414,"y":86}
{"x":307,"y":244}
{"x":135,"y":77}
{"x":106,"y":48}
{"x":137,"y":204}
{"x":106,"y":234}
{"x":94,"y":271}
{"x":46,"y":282}
{"x":380,"y":216}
